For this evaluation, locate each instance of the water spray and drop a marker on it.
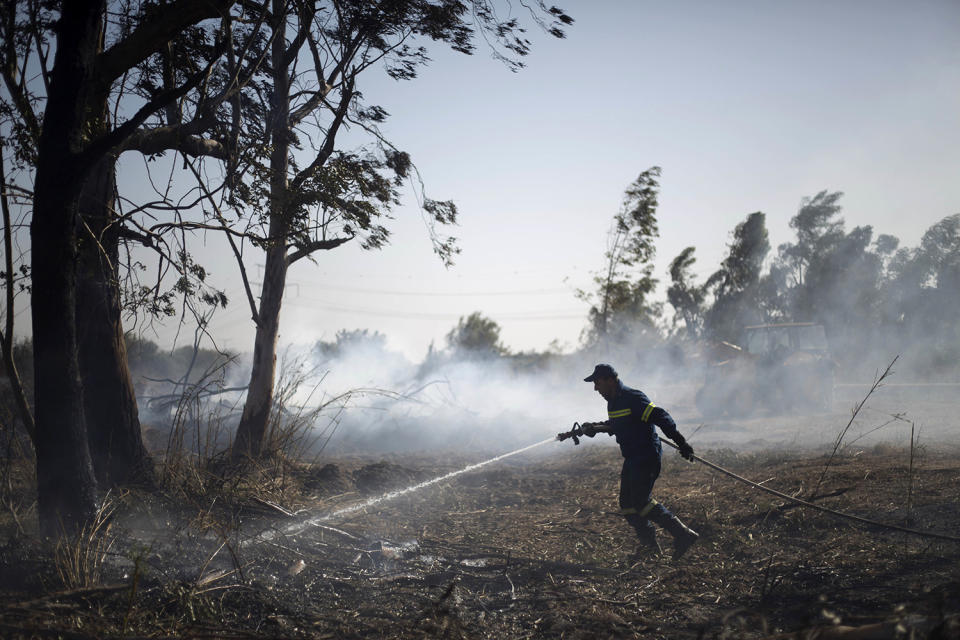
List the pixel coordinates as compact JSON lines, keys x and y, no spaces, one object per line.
{"x":316,"y":520}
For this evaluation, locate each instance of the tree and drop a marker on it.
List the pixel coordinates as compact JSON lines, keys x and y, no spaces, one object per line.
{"x":940,"y":251}
{"x":65,"y":479}
{"x":621,"y":304}
{"x":843,"y":288}
{"x":189,"y":68}
{"x":476,"y":336}
{"x":20,"y":401}
{"x":735,"y":286}
{"x":684,"y":296}
{"x":348,"y":341}
{"x":818,"y":230}
{"x":320,"y":200}
{"x":149,"y":60}
{"x":940,"y":254}
{"x":68,"y":152}
{"x":920,"y":293}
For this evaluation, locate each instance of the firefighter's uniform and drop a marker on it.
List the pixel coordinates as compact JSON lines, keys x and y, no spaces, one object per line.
{"x":632,"y":419}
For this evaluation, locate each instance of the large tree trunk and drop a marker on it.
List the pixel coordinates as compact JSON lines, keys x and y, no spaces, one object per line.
{"x":252,"y":429}
{"x":113,"y":423}
{"x":66,"y":486}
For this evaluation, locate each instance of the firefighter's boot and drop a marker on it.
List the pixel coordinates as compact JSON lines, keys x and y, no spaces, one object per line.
{"x":683,"y":536}
{"x":647,"y":545}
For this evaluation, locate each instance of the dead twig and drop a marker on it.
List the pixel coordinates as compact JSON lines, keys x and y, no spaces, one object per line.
{"x":853,"y":416}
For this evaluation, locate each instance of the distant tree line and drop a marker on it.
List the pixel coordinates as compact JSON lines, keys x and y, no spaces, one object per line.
{"x":867,"y":290}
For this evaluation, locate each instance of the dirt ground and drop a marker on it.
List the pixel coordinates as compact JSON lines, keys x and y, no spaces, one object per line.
{"x":528,"y":547}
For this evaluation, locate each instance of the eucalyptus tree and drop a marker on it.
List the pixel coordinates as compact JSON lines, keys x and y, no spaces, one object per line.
{"x":940,"y":258}
{"x":621,"y":305}
{"x":11,"y":282}
{"x":920,"y":291}
{"x":684,"y":295}
{"x":295,"y":188}
{"x":74,"y":228}
{"x":819,"y":227}
{"x":735,"y":285}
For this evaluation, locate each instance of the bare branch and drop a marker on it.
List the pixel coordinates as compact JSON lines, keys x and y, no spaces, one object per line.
{"x":304,"y":250}
{"x":41,"y":53}
{"x":329,"y":141}
{"x":305,"y":13}
{"x":152,"y":34}
{"x":229,"y":232}
{"x":13,"y":77}
{"x":201,"y":226}
{"x":114,"y":138}
{"x":178,"y":137}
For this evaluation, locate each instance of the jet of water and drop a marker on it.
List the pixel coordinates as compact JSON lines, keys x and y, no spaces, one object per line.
{"x":326,"y":517}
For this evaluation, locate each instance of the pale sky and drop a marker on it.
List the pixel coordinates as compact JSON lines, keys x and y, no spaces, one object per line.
{"x":746,"y":105}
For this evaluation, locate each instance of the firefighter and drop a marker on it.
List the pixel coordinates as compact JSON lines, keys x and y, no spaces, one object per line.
{"x":631,"y":419}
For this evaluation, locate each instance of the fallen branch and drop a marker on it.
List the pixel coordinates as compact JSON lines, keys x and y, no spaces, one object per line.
{"x":69,"y":593}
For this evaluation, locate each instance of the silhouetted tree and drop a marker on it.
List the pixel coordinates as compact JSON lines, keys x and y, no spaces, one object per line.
{"x":843,"y":289}
{"x":72,"y":145}
{"x":347,"y":341}
{"x":818,"y":230}
{"x":19,"y":398}
{"x":921,"y":294}
{"x":621,"y":306}
{"x":320,"y":200}
{"x":684,"y":296}
{"x":736,"y":285}
{"x":476,"y":336}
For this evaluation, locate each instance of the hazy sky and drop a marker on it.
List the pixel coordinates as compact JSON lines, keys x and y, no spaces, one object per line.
{"x":746,"y":105}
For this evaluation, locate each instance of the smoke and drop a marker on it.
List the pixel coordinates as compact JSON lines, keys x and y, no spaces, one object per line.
{"x":461,"y":403}
{"x":376,"y":401}
{"x":371,"y":400}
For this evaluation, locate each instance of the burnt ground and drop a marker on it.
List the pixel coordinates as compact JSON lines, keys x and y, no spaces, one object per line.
{"x":528,"y":547}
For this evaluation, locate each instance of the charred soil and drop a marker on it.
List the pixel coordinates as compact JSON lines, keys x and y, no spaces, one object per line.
{"x":529,"y":547}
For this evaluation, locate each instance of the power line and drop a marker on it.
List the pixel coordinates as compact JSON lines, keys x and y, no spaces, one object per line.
{"x":444,"y":294}
{"x":561,"y":315}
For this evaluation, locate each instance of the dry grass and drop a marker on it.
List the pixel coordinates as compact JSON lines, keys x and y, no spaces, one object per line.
{"x":79,"y":559}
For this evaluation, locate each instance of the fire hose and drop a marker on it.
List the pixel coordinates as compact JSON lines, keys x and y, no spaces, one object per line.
{"x":578,"y":432}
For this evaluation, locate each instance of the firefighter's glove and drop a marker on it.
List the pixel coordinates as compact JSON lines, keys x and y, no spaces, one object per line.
{"x":589,"y":429}
{"x":686,"y":450}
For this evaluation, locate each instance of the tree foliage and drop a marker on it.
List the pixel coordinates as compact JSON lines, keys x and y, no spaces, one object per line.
{"x":298,"y":188}
{"x":348,"y":341}
{"x":622,"y":305}
{"x":866,"y":290}
{"x":476,"y":336}
{"x":735,"y":286}
{"x":684,"y":295}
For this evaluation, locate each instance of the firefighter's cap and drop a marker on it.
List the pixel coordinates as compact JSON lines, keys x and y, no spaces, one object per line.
{"x":601,"y":371}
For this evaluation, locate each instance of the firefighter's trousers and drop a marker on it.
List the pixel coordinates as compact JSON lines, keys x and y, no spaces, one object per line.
{"x":637,"y":503}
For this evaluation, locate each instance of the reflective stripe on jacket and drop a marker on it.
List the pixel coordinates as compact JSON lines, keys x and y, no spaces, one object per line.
{"x":632,"y":418}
